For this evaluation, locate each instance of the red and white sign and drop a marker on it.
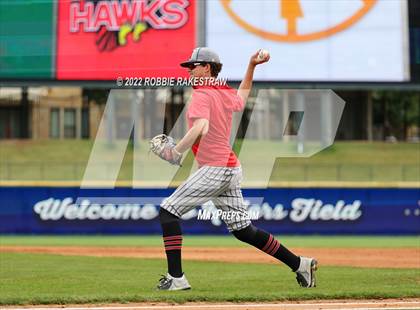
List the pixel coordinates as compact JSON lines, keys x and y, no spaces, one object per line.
{"x":103,"y":40}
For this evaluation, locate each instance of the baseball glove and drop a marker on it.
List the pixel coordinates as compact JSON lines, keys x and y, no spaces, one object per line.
{"x":163,"y":146}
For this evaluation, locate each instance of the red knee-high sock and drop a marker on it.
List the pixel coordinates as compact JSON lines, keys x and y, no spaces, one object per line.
{"x":267,"y":243}
{"x":173,"y":246}
{"x":274,"y":248}
{"x":172,"y":240}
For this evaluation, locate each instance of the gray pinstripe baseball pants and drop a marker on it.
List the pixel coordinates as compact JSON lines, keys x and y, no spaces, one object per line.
{"x":218,"y":184}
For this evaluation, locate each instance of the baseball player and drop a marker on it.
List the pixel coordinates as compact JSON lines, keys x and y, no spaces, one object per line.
{"x":218,"y":178}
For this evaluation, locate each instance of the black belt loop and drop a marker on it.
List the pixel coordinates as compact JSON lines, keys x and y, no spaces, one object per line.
{"x":228,"y":172}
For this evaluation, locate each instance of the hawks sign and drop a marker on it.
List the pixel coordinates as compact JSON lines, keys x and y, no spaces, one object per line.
{"x":160,"y":14}
{"x":107,"y":39}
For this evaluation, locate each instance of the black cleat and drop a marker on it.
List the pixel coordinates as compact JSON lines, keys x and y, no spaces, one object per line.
{"x":305,"y":275}
{"x":169,"y":283}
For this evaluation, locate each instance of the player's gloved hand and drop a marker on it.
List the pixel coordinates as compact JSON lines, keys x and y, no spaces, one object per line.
{"x":164,"y":147}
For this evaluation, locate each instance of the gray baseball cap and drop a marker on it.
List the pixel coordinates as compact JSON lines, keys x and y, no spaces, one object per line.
{"x":202,"y":54}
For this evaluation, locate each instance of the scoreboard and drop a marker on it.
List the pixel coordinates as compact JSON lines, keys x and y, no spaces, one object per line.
{"x":310,"y":40}
{"x":95,"y":40}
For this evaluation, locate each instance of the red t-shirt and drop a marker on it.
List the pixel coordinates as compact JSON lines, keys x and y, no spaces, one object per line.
{"x":216,"y":104}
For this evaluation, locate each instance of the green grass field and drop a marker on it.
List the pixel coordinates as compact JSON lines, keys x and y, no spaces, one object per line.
{"x":57,"y":279}
{"x":344,"y":161}
{"x":205,"y":240}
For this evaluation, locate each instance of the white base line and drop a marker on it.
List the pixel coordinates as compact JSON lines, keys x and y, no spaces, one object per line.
{"x":380,"y":305}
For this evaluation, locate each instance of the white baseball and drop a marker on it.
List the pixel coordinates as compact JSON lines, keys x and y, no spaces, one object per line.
{"x":263,"y":54}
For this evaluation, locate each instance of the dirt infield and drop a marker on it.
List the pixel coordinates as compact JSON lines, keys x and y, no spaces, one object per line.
{"x":355,"y":257}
